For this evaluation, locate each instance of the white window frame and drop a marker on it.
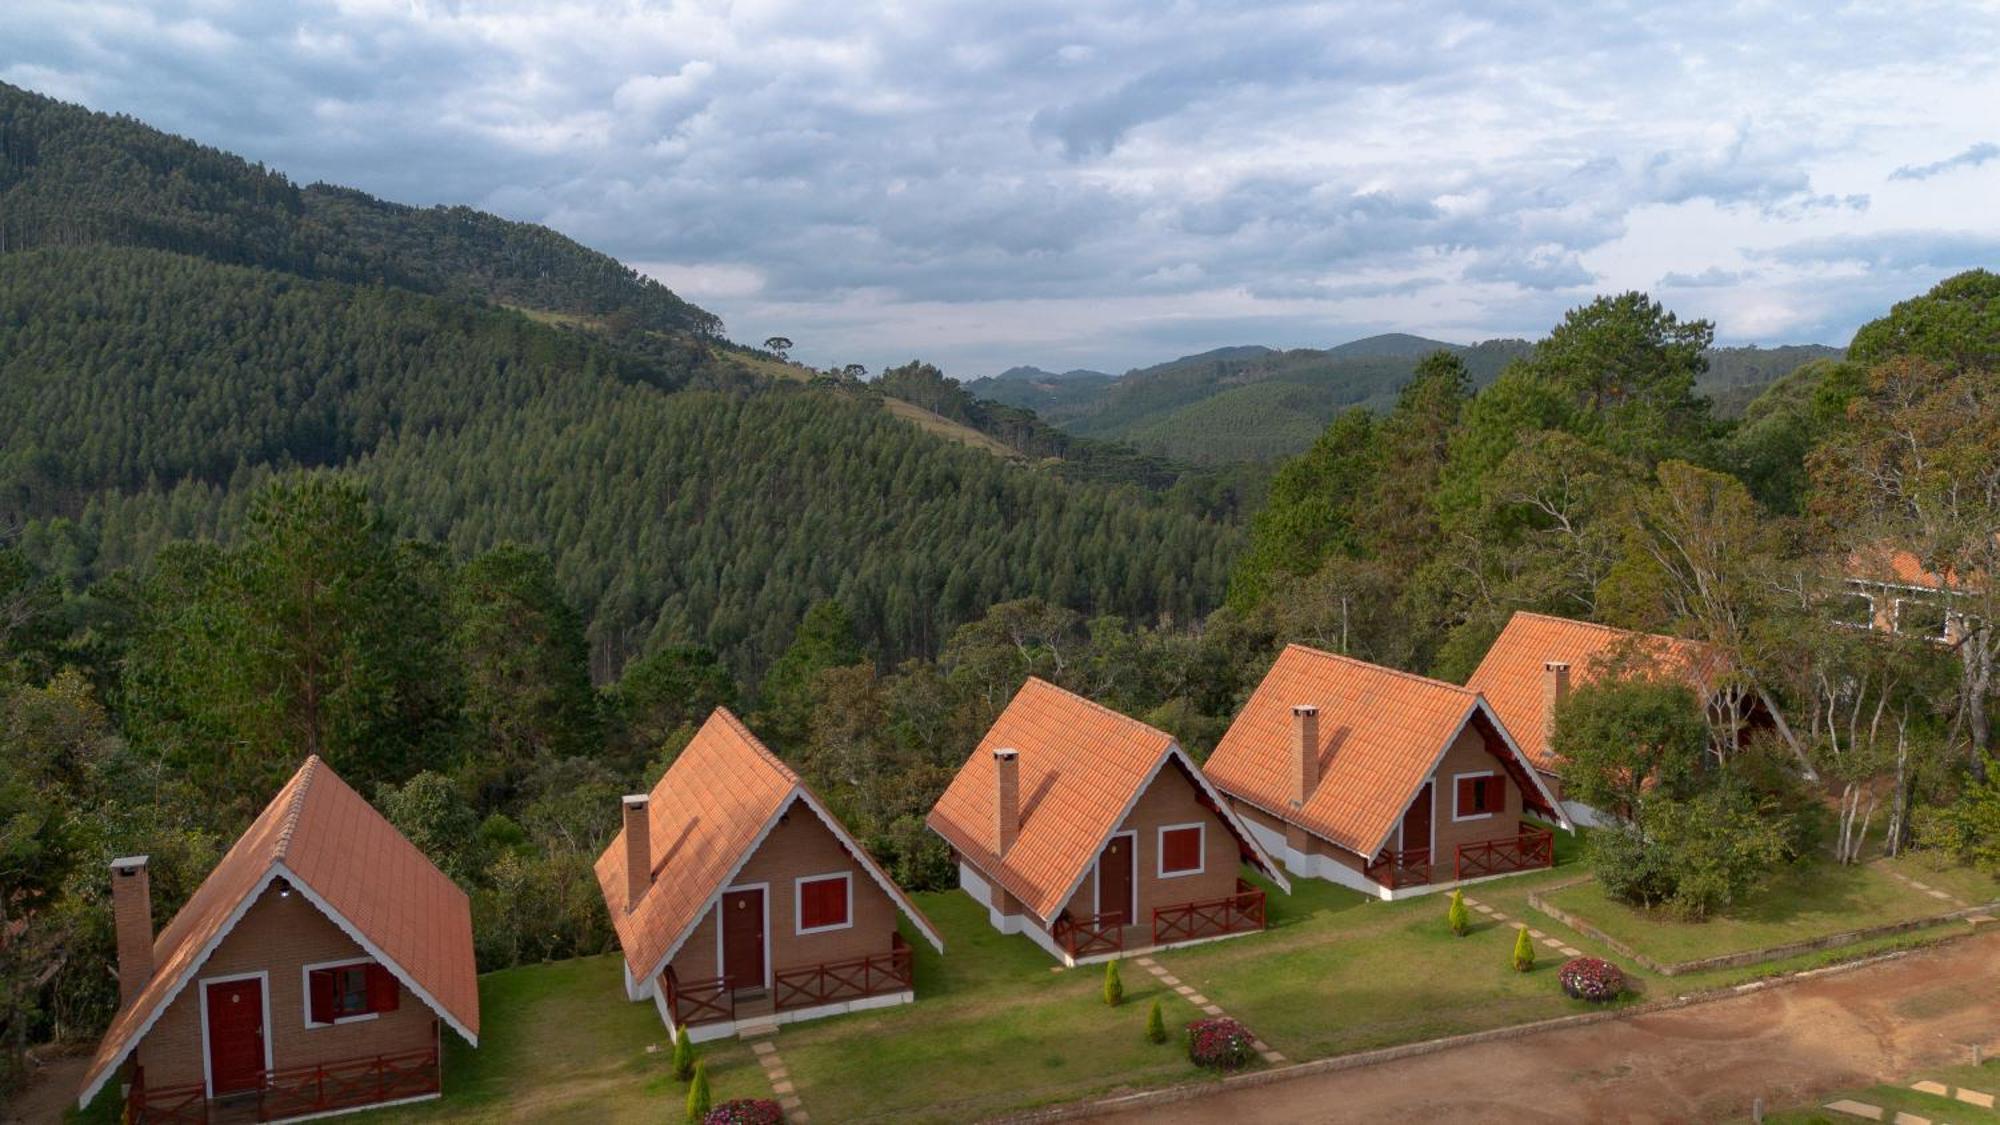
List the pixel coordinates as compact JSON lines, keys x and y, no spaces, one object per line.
{"x":721,"y":968}
{"x":1455,"y":779}
{"x":201,"y":988}
{"x":1201,"y":850}
{"x":1944,"y":630}
{"x":799,"y":926}
{"x":1097,"y":877}
{"x":305,"y":991}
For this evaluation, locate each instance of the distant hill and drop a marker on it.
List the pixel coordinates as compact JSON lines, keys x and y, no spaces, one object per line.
{"x":1037,"y":375}
{"x":1250,"y":403}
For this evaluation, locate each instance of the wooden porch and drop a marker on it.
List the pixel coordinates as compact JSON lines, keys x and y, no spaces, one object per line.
{"x":289,"y":1092}
{"x":711,"y":1000}
{"x":1528,"y":850}
{"x":1109,"y":934}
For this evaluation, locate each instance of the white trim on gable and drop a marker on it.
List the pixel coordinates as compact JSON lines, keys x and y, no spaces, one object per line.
{"x":266,"y":1032}
{"x":802,"y":795}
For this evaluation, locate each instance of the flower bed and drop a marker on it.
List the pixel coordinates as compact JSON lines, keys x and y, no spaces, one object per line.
{"x":1593,"y":979}
{"x":1220,"y":1043}
{"x":746,"y":1111}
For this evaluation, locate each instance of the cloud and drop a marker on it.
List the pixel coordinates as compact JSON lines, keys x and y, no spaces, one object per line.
{"x":964,"y":180}
{"x":1971,"y":158}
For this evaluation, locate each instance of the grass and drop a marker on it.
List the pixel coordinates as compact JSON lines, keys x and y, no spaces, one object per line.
{"x":998,"y":1026}
{"x":944,"y":427}
{"x":560,"y":1043}
{"x":1895,"y":1097}
{"x":1971,"y":886}
{"x":1797,"y":904}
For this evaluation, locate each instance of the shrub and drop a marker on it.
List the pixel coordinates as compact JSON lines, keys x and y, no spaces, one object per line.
{"x":697,"y":1107}
{"x":1220,"y":1043}
{"x":1524,"y":950}
{"x":683,"y":1055}
{"x":1592,"y":979}
{"x":746,"y":1111}
{"x":1114,"y":989}
{"x":1156,"y":1025}
{"x":1455,"y":915}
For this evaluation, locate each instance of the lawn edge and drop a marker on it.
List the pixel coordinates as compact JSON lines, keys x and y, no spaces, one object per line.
{"x":1189,"y":1091}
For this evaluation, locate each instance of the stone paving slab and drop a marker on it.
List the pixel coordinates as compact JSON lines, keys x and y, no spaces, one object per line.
{"x":763,"y":1048}
{"x":1197,"y":999}
{"x":1499,"y":917}
{"x":1980,"y":1098}
{"x":1536,"y":934}
{"x":1184,"y":990}
{"x":1571,"y":951}
{"x":1856,"y":1109}
{"x":1553,"y":943}
{"x":1169,"y":979}
{"x":1937,"y":894}
{"x":1148,"y":962}
{"x":1212,"y":1009}
{"x":783,"y":1087}
{"x":1910,"y":1119}
{"x":1938,"y":1088}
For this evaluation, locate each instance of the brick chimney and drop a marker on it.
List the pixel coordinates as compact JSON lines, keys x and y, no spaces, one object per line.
{"x":1305,"y":753}
{"x":132,"y":919}
{"x":638,"y":849}
{"x":1555,"y":689}
{"x":1006,"y":798}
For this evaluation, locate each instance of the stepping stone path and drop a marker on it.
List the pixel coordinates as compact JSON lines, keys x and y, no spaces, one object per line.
{"x":781,"y":1082}
{"x":1207,"y":1006}
{"x":1555,"y":943}
{"x":1941,"y":896}
{"x":1856,"y":1109}
{"x":1980,"y":1098}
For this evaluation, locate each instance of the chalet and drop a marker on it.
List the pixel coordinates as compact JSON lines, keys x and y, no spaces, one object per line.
{"x":311,"y":973}
{"x":1387,"y":782}
{"x":1890,"y":590}
{"x":741,"y":903}
{"x":1096,"y":835}
{"x":1537,"y":659}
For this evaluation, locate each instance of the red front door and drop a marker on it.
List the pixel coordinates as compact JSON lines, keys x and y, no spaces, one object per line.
{"x":1114,"y":881}
{"x":1417,"y":822}
{"x":236,"y":1035}
{"x":743,"y":938}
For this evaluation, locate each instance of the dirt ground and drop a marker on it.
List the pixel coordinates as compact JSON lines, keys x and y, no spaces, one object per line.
{"x":1785,"y":1043}
{"x":52,"y":1090}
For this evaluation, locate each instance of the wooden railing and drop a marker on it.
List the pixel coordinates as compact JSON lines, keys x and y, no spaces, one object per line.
{"x":325,"y":1087}
{"x":178,"y":1105}
{"x":1238,"y":913}
{"x":1097,"y":934}
{"x":1533,"y":848}
{"x":835,"y":981}
{"x":1410,"y":867}
{"x":698,"y":1001}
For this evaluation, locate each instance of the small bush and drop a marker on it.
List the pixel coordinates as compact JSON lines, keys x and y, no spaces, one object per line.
{"x":746,"y":1111}
{"x":1592,"y":979}
{"x":1456,"y":917}
{"x":1156,"y":1024}
{"x":683,"y":1055}
{"x":1220,"y":1044}
{"x":1114,"y":989}
{"x":1524,"y":950}
{"x":697,"y":1107}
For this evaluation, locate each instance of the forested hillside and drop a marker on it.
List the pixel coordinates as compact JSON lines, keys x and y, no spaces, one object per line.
{"x":70,"y":177}
{"x":1253,"y":403}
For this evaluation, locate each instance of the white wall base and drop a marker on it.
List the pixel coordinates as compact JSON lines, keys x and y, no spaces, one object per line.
{"x":1333,"y":871}
{"x":632,"y":990}
{"x":725,"y":1029}
{"x":359,"y":1108}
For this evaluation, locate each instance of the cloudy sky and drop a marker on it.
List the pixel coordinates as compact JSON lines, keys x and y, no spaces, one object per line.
{"x":1104,"y":185}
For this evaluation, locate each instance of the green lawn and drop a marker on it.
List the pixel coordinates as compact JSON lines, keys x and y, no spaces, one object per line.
{"x":1798,"y":904}
{"x":1973,"y":887}
{"x":1894,"y":1097}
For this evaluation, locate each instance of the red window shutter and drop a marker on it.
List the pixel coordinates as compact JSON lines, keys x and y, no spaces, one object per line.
{"x":320,"y":995}
{"x":1468,"y":796}
{"x":1181,"y":849}
{"x":1496,"y":797}
{"x":823,"y":902}
{"x":384,"y":993}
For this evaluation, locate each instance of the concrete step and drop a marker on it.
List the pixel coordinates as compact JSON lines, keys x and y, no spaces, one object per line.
{"x":756,"y":1028}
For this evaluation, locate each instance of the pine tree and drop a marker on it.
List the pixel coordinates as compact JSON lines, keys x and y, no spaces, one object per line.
{"x":684,"y":1059}
{"x":1114,"y":989}
{"x":1456,"y":916}
{"x":1156,"y":1024}
{"x":1524,"y":950}
{"x":697,"y":1104}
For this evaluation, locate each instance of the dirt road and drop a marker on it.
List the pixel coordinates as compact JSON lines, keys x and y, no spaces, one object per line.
{"x":1786,"y":1044}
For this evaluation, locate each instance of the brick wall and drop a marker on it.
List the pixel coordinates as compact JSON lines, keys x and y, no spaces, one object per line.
{"x":1470,"y":753}
{"x":800,"y":845}
{"x":280,"y":935}
{"x":1172,"y":798}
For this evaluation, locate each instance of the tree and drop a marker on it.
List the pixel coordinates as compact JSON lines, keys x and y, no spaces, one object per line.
{"x":1695,"y":856}
{"x":1156,"y":1024}
{"x":1114,"y":989}
{"x":698,"y":1098}
{"x":431,"y":813}
{"x":670,"y":689}
{"x":1623,"y":742}
{"x":1312,"y":510}
{"x":684,"y":1056}
{"x":824,"y":639}
{"x":1455,"y":915}
{"x":1524,"y":950}
{"x":779,"y":346}
{"x":1629,"y":368}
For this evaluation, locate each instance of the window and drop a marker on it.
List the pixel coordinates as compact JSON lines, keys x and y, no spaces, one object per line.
{"x":1920,"y":617}
{"x":825,"y":902}
{"x":1479,"y":795}
{"x":344,"y":992}
{"x":1180,"y":850}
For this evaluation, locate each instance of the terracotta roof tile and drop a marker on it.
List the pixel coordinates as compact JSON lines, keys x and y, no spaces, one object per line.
{"x":1896,"y":566}
{"x":1511,"y":674}
{"x":344,"y":855}
{"x":1381,"y":731}
{"x":1082,"y":765}
{"x":706,"y":816}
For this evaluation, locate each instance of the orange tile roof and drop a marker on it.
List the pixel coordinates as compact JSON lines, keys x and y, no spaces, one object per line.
{"x":1896,"y":566}
{"x":1510,"y":675}
{"x":1082,"y":766}
{"x":334,"y":848}
{"x":706,"y":816}
{"x":1381,"y":734}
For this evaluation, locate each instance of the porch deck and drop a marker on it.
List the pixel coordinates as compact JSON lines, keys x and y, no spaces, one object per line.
{"x":290,"y":1092}
{"x":1176,"y":924}
{"x":1530,"y":849}
{"x":694,"y":1003}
